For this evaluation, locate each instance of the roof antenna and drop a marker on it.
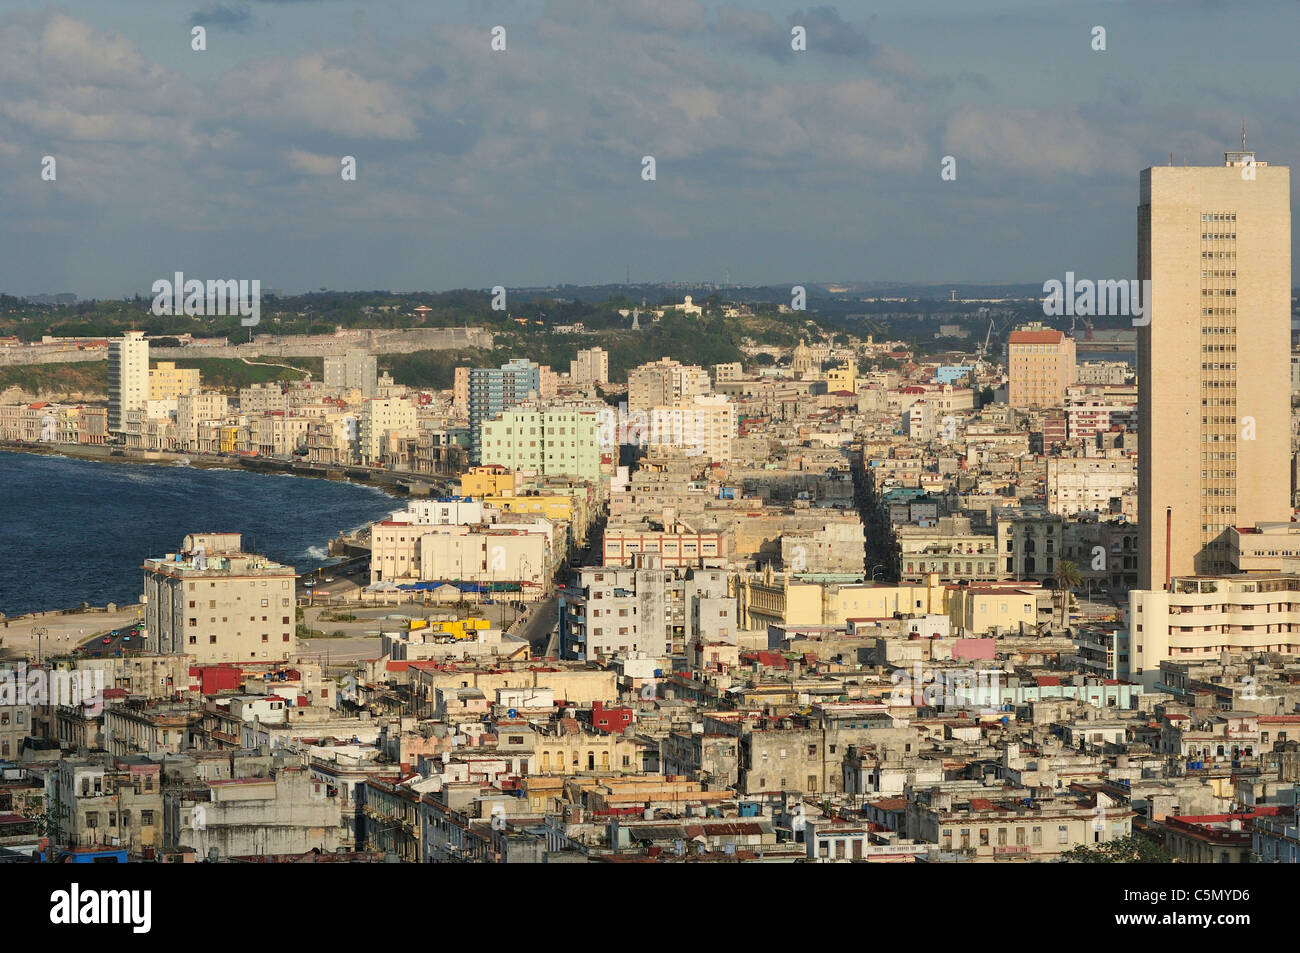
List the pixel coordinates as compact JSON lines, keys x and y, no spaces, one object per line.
{"x":1171,"y":157}
{"x":1243,"y":133}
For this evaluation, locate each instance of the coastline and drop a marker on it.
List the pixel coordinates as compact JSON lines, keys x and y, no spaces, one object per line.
{"x":399,"y":483}
{"x":15,"y":630}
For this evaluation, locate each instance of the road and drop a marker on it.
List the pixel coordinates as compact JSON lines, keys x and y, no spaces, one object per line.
{"x":537,"y":628}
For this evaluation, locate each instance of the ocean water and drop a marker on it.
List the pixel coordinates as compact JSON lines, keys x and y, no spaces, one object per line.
{"x":74,"y":531}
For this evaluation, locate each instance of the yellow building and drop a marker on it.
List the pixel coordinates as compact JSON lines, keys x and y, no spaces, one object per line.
{"x":560,"y":509}
{"x":981,"y":607}
{"x":488,"y":481}
{"x":457,"y":629}
{"x":229,"y":439}
{"x":776,"y":598}
{"x":842,"y":378}
{"x":167,"y":381}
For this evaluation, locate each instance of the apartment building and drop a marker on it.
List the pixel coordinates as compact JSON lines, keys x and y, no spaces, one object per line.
{"x":492,"y":391}
{"x":1199,"y":617}
{"x":613,"y":610}
{"x":356,"y":369}
{"x":406,"y":552}
{"x":167,"y":381}
{"x":1041,"y":365}
{"x":590,"y":367}
{"x":1029,"y":545}
{"x":192,"y":408}
{"x":702,"y":426}
{"x":676,"y":542}
{"x":663,"y":383}
{"x":1092,"y":484}
{"x":381,"y":419}
{"x":553,"y":442}
{"x":215,"y":602}
{"x":103,"y":800}
{"x":128,"y":377}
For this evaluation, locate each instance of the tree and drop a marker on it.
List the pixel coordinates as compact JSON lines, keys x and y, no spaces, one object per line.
{"x":1131,"y":849}
{"x":1067,"y":577}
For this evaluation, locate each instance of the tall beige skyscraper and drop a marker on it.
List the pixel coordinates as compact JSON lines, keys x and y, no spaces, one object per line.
{"x":1213,"y":371}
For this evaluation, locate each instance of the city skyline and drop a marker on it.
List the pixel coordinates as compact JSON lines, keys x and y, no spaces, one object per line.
{"x":773,"y":165}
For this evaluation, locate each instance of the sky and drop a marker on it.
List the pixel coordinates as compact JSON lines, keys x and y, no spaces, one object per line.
{"x":524,"y":167}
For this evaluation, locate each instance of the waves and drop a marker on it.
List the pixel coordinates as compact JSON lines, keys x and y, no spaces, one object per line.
{"x":76,"y":531}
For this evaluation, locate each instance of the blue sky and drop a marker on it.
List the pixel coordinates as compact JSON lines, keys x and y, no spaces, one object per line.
{"x":478,"y":168}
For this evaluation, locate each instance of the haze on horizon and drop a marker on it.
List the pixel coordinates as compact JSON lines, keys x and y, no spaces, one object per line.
{"x":523,"y":167}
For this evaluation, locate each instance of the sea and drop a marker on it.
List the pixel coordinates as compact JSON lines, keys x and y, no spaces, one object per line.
{"x":74,"y":531}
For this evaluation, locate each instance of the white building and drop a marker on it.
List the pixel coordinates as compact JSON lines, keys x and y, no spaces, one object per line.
{"x":1091,"y":484}
{"x":128,"y":377}
{"x":1201,"y":617}
{"x":379,"y":419}
{"x":701,"y":425}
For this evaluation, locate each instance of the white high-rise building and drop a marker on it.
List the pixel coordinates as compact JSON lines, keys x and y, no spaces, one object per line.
{"x":128,"y":377}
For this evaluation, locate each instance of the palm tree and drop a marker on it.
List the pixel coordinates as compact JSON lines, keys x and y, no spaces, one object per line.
{"x":1067,"y":577}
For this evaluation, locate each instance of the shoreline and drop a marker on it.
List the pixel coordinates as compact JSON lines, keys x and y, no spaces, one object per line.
{"x":397,"y":483}
{"x":167,"y":459}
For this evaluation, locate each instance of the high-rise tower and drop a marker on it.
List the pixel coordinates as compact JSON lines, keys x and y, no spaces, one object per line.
{"x":1213,"y":373}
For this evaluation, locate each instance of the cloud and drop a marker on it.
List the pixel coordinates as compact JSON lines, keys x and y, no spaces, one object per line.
{"x":325,"y":92}
{"x":313,"y":164}
{"x":237,"y":18}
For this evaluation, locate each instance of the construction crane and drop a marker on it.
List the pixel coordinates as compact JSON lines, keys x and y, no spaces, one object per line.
{"x":983,"y":348}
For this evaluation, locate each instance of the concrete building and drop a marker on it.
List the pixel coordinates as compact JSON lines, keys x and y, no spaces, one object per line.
{"x":193,"y":409}
{"x":949,"y":547}
{"x":1091,"y":484}
{"x":1200,"y":617}
{"x":494,"y":390}
{"x":590,"y":367}
{"x":283,"y":812}
{"x":1214,"y":446}
{"x":663,"y":383}
{"x":1040,"y":365}
{"x":128,"y":377}
{"x":404,"y":552}
{"x":168,"y":382}
{"x":702,"y":426}
{"x":357,"y":369}
{"x":1029,"y":546}
{"x":555,"y":442}
{"x":616,"y":610}
{"x":380,"y":418}
{"x":673,"y":540}
{"x":102,"y":800}
{"x":216,"y":603}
